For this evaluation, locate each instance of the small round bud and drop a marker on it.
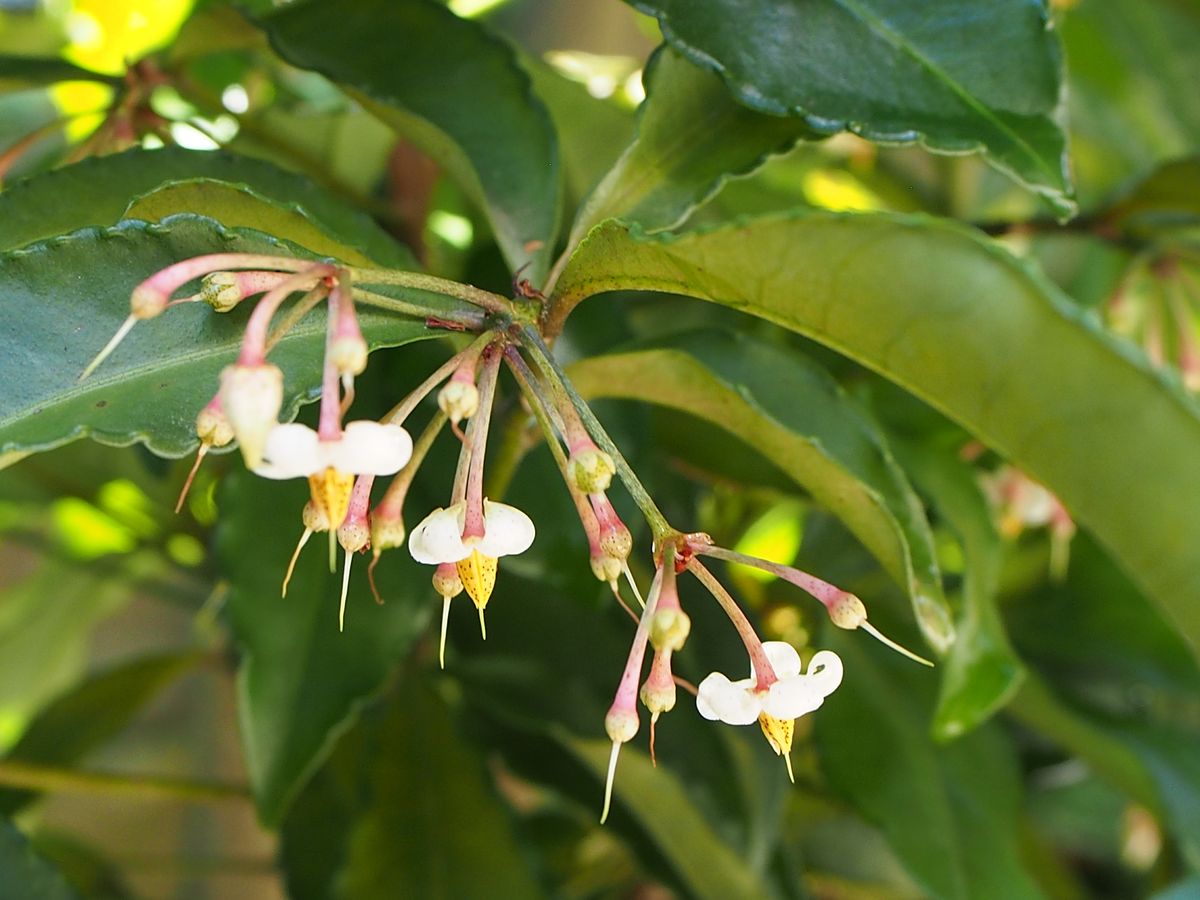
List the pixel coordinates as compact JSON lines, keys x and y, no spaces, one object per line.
{"x":848,"y":612}
{"x":314,"y":517}
{"x":458,"y":400}
{"x":348,"y":354}
{"x":591,"y":470}
{"x":658,"y":697}
{"x":146,"y":303}
{"x":621,"y":724}
{"x":669,"y":629}
{"x":386,"y":532}
{"x":221,"y":290}
{"x":446,"y":581}
{"x":354,"y":535}
{"x":251,"y":396}
{"x":212,"y":427}
{"x":606,"y":568}
{"x":616,"y":541}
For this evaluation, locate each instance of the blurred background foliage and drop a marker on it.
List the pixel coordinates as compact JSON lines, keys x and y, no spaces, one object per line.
{"x":123,"y":690}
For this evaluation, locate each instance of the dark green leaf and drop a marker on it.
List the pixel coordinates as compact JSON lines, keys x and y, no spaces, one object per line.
{"x":950,"y":812}
{"x":23,"y":874}
{"x":91,"y":713}
{"x":1166,"y":199}
{"x":981,"y":672}
{"x":98,"y":190}
{"x":451,"y":88}
{"x":301,"y":681}
{"x":18,"y":72}
{"x":60,"y":301}
{"x":692,"y":136}
{"x":432,"y":824}
{"x":956,"y":320}
{"x":956,"y":75}
{"x":795,"y":414}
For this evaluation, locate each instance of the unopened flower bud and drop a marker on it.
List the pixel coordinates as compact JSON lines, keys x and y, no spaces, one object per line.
{"x":348,"y":354}
{"x":212,"y":426}
{"x":669,"y":629}
{"x":616,"y":541}
{"x":147,"y":303}
{"x":354,"y":534}
{"x":446,"y":581}
{"x":251,"y":396}
{"x":606,"y":568}
{"x":621,"y":724}
{"x":386,"y":532}
{"x":458,"y":400}
{"x":658,"y":691}
{"x":591,"y":470}
{"x":847,"y":611}
{"x":221,"y":290}
{"x":314,"y":517}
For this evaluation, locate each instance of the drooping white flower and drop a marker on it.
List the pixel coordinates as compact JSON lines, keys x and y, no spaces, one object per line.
{"x":792,"y":695}
{"x":364,"y":448}
{"x":438,"y":539}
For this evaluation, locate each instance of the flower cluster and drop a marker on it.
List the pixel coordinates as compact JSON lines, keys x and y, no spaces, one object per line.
{"x":465,"y":540}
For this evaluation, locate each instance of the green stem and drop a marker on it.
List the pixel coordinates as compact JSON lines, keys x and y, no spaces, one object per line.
{"x":30,"y":776}
{"x":470,"y":320}
{"x":473,"y":295}
{"x":404,"y":408}
{"x":393,"y":498}
{"x":557,"y":380}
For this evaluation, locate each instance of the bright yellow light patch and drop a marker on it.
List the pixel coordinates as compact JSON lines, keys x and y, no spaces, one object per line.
{"x":838,"y":191}
{"x":774,"y":535}
{"x":87,"y":532}
{"x":105,"y":34}
{"x":83,"y":103}
{"x":128,"y":504}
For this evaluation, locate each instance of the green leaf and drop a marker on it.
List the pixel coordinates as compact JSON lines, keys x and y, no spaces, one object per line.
{"x":1166,"y":199}
{"x":61,"y":301}
{"x":20,"y":72}
{"x":950,"y":812}
{"x":981,"y":673}
{"x":90,"y":714}
{"x":954,"y":319}
{"x":301,"y":682}
{"x":692,"y":136}
{"x":26,"y":876}
{"x":433,"y":824}
{"x":955,"y":75}
{"x":99,"y":190}
{"x":655,"y":798}
{"x":796,"y":416}
{"x":477,"y":118}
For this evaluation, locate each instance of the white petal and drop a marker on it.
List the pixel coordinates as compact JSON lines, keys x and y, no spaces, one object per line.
{"x":791,"y":698}
{"x":291,"y":451}
{"x":507,"y":530}
{"x":438,"y":538}
{"x":825,"y":672}
{"x":783,"y":657}
{"x":369,"y":448}
{"x":731,"y":702}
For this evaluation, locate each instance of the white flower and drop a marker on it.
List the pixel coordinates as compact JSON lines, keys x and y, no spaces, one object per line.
{"x":365,"y":448}
{"x":438,"y":539}
{"x":793,"y":695}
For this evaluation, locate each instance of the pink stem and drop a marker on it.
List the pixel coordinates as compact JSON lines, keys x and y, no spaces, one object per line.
{"x":254,"y":340}
{"x":823,"y":591}
{"x":626,"y":697}
{"x":473,"y":524}
{"x":165,"y":282}
{"x":763,"y":669}
{"x":329,"y":424}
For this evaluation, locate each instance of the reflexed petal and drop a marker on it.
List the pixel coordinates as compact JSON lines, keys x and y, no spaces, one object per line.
{"x":438,"y":539}
{"x":507,"y":530}
{"x":825,"y":672}
{"x":784,"y":659}
{"x":791,"y":698}
{"x":369,"y":448}
{"x":291,"y":451}
{"x":731,"y":702}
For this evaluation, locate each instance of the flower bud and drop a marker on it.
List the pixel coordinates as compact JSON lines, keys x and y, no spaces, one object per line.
{"x":212,"y":426}
{"x":591,"y":470}
{"x":354,"y":534}
{"x":458,"y":400}
{"x":606,"y":568}
{"x":847,"y":611}
{"x":348,"y":354}
{"x":314,"y":517}
{"x":251,"y":396}
{"x":446,"y":581}
{"x":658,"y":691}
{"x":616,"y":541}
{"x":147,"y":303}
{"x":386,"y":532}
{"x":221,"y":290}
{"x":621,"y":724}
{"x":669,"y":629}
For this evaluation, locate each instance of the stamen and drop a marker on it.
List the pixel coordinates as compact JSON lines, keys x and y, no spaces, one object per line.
{"x":608,"y":782}
{"x":787,"y":758}
{"x":345,"y":588}
{"x":347,"y":394}
{"x":482,"y":624}
{"x":125,"y":328}
{"x":187,"y":484}
{"x":308,"y":532}
{"x":332,"y":550}
{"x":445,"y":624}
{"x":886,"y":641}
{"x":633,"y":584}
